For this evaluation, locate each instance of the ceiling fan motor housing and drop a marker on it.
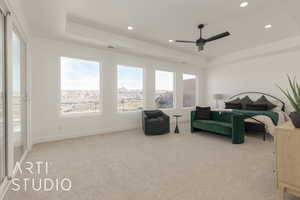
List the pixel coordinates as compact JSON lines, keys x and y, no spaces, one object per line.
{"x":200,"y":43}
{"x":201,"y":26}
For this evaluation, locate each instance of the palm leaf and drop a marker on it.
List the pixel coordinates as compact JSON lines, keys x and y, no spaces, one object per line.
{"x":293,"y":87}
{"x":298,"y":88}
{"x":296,"y":93}
{"x":290,"y":98}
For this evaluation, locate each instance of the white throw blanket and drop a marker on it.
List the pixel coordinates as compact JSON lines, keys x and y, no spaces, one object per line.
{"x":270,"y":126}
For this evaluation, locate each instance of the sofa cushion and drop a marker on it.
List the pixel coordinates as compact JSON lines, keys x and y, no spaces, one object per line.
{"x":156,"y":120}
{"x":203,"y":113}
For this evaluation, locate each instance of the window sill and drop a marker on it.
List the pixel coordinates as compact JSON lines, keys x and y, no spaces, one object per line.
{"x":189,"y":108}
{"x":75,"y":115}
{"x":166,"y":109}
{"x":129,"y":112}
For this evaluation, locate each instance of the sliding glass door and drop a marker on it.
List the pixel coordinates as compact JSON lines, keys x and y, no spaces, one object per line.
{"x":18,"y":96}
{"x":2,"y":102}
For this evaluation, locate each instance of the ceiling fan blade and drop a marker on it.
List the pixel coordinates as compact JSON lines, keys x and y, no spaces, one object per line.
{"x":216,"y":37}
{"x":183,"y":41}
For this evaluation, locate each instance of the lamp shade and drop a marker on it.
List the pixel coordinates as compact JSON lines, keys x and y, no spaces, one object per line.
{"x":218,"y":96}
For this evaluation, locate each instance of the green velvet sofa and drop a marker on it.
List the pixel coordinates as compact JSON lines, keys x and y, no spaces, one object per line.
{"x":224,"y":123}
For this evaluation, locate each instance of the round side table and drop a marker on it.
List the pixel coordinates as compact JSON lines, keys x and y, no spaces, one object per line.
{"x":177,"y":129}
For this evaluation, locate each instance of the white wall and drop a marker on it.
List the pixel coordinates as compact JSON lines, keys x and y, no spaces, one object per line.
{"x":47,"y":125}
{"x":260,"y":72}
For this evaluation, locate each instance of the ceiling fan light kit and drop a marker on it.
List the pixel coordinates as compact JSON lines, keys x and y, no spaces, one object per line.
{"x":200,"y":43}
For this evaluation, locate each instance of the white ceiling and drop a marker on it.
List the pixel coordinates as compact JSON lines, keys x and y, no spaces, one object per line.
{"x":157,"y":21}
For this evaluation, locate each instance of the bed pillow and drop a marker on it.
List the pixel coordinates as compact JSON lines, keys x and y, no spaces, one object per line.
{"x":264,"y":100}
{"x":235,"y":101}
{"x":237,"y":106}
{"x":257,"y":107}
{"x":203,"y":113}
{"x":246,"y":100}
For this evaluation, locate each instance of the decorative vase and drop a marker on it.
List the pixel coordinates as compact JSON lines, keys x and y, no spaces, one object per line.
{"x":295,"y":117}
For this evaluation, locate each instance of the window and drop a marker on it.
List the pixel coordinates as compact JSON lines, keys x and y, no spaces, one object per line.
{"x":164,"y":89}
{"x":189,"y":90}
{"x":16,"y":82}
{"x":130,"y":88}
{"x":80,"y":86}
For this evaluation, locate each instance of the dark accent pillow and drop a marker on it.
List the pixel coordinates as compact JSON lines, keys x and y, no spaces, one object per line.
{"x":264,"y":100}
{"x":153,"y":114}
{"x":203,"y":113}
{"x":237,"y":106}
{"x":257,"y":107}
{"x":235,"y":101}
{"x":246,"y":100}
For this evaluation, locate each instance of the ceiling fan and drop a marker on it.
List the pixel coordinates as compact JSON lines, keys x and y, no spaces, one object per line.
{"x":200,"y":43}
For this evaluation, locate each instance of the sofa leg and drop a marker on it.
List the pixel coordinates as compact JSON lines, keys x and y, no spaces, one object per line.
{"x":193,"y":130}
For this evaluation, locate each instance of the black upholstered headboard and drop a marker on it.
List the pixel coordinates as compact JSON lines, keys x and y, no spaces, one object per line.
{"x":261,"y":93}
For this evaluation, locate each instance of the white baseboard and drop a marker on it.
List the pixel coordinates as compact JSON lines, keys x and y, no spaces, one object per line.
{"x":79,"y":134}
{"x":90,"y":133}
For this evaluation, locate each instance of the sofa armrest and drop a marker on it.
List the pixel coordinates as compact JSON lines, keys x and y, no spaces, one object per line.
{"x":238,"y":129}
{"x":166,"y":117}
{"x":193,"y":114}
{"x":144,"y":120}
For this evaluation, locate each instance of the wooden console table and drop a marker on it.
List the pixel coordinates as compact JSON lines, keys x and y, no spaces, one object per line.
{"x":287,"y":140}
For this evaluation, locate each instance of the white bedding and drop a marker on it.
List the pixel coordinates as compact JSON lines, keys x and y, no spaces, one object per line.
{"x":270,"y":126}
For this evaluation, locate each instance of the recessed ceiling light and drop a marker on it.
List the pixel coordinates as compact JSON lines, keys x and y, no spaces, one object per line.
{"x":268,"y":26}
{"x":130,"y":28}
{"x":171,"y":41}
{"x":244,"y":4}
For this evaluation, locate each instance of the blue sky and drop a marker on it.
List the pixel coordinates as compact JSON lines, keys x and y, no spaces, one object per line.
{"x":77,"y":74}
{"x":130,"y":77}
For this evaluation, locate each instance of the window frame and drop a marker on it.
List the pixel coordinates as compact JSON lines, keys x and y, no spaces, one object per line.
{"x":174,"y":89}
{"x":117,"y":88}
{"x":100,"y":76}
{"x":196,"y":90}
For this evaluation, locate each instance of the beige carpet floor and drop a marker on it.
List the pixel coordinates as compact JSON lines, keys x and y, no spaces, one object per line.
{"x":131,"y":166}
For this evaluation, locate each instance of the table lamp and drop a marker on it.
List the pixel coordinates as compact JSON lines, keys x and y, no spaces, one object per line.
{"x":218,"y":97}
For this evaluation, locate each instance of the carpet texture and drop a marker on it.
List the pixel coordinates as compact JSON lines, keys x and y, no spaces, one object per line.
{"x":131,"y":166}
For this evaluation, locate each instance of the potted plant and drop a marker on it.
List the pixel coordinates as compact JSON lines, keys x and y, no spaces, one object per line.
{"x":294,"y":98}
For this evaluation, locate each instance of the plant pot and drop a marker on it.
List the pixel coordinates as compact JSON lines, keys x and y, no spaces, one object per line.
{"x":295,"y":117}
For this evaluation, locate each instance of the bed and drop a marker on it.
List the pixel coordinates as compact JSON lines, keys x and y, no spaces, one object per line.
{"x":262,"y":121}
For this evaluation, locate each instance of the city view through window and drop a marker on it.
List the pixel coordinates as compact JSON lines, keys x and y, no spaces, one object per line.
{"x":164,"y":89}
{"x":80,"y":86}
{"x":130,"y":88}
